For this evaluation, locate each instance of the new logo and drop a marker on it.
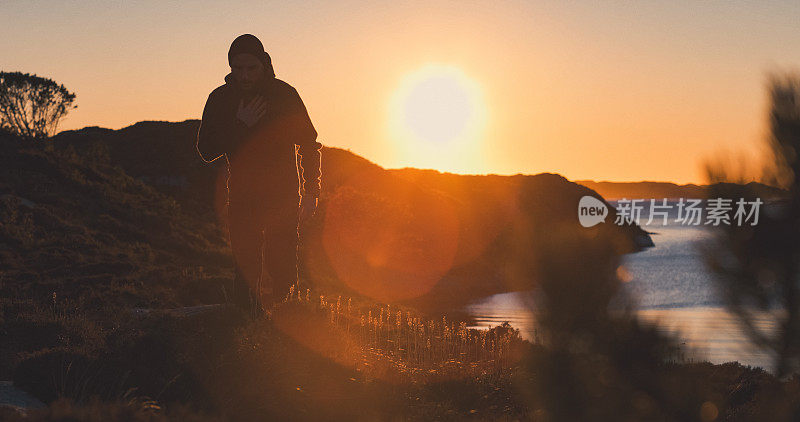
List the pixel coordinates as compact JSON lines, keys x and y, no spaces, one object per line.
{"x":591,"y":211}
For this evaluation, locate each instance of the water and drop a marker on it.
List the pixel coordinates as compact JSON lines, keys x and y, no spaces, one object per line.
{"x":672,"y":274}
{"x":673,"y":289}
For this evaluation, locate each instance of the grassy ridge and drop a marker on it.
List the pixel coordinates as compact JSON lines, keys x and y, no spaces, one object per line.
{"x":83,"y":244}
{"x":80,"y":236}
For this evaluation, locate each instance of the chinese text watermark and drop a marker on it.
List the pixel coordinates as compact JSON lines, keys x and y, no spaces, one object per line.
{"x":687,"y":212}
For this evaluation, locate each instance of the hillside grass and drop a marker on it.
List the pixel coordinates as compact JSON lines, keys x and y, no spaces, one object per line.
{"x":83,"y":245}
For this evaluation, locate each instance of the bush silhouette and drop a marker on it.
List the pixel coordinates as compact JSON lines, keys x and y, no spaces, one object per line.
{"x":32,"y":106}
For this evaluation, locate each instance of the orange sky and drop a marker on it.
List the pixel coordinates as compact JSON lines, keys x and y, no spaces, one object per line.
{"x":620,"y":91}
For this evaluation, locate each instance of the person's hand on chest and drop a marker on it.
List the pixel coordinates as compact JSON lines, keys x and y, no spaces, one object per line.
{"x":251,"y":113}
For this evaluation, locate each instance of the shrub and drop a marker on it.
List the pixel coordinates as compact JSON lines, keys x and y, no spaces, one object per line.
{"x":32,"y":106}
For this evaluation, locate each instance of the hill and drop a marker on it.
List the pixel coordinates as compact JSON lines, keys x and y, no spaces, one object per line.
{"x":72,"y":221}
{"x":84,"y":243}
{"x":658,"y":190}
{"x":412,"y":236}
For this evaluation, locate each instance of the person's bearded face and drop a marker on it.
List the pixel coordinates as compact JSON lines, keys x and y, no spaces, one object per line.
{"x":247,"y":71}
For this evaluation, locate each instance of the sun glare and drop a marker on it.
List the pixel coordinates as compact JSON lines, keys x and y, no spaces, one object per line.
{"x":436,"y":119}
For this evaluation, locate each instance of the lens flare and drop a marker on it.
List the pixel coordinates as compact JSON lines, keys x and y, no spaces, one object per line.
{"x":390,"y":248}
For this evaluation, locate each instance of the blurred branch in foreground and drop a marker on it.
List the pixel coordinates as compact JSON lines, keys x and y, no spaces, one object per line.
{"x":756,"y":265}
{"x":598,"y":362}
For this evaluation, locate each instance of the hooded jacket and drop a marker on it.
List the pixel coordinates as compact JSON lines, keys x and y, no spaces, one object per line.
{"x":263,"y":157}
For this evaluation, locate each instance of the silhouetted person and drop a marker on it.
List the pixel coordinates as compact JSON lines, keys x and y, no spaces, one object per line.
{"x":256,"y":121}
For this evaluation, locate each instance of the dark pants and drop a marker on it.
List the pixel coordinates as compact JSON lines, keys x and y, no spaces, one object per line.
{"x":264,"y":240}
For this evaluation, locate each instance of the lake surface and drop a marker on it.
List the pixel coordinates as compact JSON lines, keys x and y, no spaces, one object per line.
{"x":673,"y":289}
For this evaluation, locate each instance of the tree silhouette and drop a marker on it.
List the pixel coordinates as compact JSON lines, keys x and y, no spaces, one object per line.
{"x":32,"y":106}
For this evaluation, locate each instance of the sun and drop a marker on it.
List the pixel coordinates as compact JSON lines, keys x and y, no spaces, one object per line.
{"x":436,"y":118}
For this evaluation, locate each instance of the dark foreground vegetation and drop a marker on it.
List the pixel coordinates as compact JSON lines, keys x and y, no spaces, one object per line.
{"x":310,"y":362}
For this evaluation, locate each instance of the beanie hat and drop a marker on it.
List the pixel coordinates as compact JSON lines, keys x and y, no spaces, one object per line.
{"x":250,"y":44}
